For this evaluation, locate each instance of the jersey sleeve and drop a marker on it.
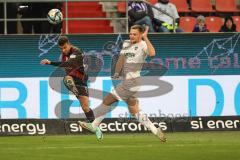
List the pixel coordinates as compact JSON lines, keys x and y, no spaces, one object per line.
{"x":55,"y":63}
{"x":75,"y":60}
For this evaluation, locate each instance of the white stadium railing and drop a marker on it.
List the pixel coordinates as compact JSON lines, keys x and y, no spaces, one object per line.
{"x":66,"y":18}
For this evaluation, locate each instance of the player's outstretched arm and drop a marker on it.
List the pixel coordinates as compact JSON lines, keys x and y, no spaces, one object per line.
{"x":119,"y":66}
{"x":150,"y":48}
{"x":48,"y":62}
{"x":74,"y":62}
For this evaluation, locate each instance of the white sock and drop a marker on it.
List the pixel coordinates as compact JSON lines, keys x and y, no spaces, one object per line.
{"x":143,"y":119}
{"x":97,"y":121}
{"x":100,"y":114}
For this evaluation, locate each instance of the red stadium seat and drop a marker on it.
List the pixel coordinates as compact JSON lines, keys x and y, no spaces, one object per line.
{"x":121,"y":7}
{"x":153,"y":2}
{"x":226,"y":6}
{"x":86,"y":10}
{"x":236,"y":20}
{"x":182,"y":5}
{"x":214,"y":23}
{"x":187,"y":23}
{"x":201,"y":6}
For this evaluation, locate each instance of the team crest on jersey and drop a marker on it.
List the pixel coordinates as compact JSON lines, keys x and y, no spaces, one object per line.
{"x":129,"y":55}
{"x":136,"y":48}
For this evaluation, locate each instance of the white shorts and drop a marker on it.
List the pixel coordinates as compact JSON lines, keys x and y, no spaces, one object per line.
{"x":125,"y":91}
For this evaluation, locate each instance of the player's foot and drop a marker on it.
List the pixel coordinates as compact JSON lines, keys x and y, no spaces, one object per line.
{"x":89,"y":127}
{"x":99,"y":134}
{"x":161,"y":135}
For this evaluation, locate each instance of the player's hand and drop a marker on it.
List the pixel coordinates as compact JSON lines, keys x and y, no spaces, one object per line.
{"x":145,"y":32}
{"x":45,"y":61}
{"x":115,"y":76}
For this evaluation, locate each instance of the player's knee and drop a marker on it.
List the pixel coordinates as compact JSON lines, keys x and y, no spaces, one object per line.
{"x":68,"y":81}
{"x":132,"y":101}
{"x":133,"y":106}
{"x":109,"y":99}
{"x":134,"y":111}
{"x":105,"y":102}
{"x":68,"y":77}
{"x":85,"y":108}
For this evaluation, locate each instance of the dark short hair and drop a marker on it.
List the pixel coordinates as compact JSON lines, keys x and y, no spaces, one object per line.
{"x":138,"y":27}
{"x":228,"y":18}
{"x":62,"y":40}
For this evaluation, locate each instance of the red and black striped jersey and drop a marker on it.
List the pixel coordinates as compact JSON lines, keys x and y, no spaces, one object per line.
{"x":73,"y":63}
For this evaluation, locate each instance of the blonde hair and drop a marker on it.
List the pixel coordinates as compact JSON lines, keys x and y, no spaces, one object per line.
{"x":201,"y":18}
{"x":138,"y":27}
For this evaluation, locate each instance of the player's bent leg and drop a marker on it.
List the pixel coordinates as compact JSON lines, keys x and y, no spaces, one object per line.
{"x":103,"y":109}
{"x":84,"y":101}
{"x":161,"y":135}
{"x":109,"y":99}
{"x":100,"y":113}
{"x":143,"y":119}
{"x":133,"y":106}
{"x":69,"y":83}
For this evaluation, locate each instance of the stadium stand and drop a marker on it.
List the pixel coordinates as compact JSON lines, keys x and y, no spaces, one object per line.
{"x":115,"y":14}
{"x":187,"y":23}
{"x":226,"y":6}
{"x":121,"y":7}
{"x":214,"y":23}
{"x":153,"y":2}
{"x":86,"y":10}
{"x":182,"y":5}
{"x":201,"y":6}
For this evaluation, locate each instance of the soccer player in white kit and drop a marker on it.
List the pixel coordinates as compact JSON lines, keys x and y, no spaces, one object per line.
{"x":130,"y":62}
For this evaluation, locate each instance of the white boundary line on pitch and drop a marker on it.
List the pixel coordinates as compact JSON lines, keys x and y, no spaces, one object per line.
{"x":76,"y":147}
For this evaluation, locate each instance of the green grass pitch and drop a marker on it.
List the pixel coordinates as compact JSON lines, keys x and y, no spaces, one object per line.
{"x":180,"y":146}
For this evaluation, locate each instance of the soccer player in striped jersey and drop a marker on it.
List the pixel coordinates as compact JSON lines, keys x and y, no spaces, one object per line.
{"x":76,"y":78}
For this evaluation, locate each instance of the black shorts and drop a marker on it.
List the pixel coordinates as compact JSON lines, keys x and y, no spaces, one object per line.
{"x":81,"y":87}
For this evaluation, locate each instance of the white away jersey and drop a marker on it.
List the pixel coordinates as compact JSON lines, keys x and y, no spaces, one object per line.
{"x":134,"y":58}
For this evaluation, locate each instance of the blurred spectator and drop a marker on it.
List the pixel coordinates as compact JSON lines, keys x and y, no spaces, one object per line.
{"x":140,"y":13}
{"x":229,"y":25}
{"x":200,"y":26}
{"x":26,"y":10}
{"x":11,"y":14}
{"x":38,"y":10}
{"x":163,"y":21}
